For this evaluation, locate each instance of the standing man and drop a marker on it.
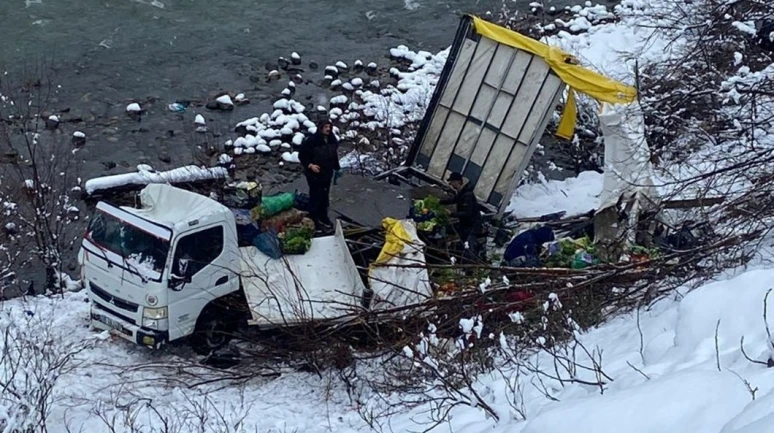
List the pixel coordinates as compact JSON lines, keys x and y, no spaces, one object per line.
{"x":468,"y":213}
{"x":320,"y":159}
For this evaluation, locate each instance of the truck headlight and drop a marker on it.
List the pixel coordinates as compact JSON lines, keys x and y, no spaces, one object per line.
{"x":155,"y":313}
{"x":157,"y":324}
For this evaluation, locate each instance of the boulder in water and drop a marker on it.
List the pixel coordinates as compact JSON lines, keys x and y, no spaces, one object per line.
{"x":273,"y":75}
{"x":283,"y":63}
{"x":79,"y":139}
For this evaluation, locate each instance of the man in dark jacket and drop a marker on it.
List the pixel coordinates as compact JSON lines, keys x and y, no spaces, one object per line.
{"x":320,"y":159}
{"x":468,"y":213}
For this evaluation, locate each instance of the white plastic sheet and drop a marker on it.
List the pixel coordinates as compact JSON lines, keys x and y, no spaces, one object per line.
{"x":395,"y":285}
{"x":628,"y":170}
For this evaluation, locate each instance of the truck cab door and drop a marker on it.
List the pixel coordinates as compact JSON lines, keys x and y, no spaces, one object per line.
{"x":200,"y":273}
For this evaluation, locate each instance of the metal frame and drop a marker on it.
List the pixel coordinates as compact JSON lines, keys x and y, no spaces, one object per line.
{"x":472,"y":115}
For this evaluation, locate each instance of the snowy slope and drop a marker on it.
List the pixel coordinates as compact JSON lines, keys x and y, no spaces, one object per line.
{"x":684,"y":390}
{"x":678,"y":386}
{"x":107,"y":373}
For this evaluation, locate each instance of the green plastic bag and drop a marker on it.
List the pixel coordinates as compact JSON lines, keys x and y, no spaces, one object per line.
{"x":275,"y":204}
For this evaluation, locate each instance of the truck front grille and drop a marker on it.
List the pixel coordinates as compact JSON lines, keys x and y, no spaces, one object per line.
{"x":120,"y":316}
{"x":110,"y":299}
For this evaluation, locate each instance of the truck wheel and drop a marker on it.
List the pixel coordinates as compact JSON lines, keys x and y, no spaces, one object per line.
{"x":211,"y":333}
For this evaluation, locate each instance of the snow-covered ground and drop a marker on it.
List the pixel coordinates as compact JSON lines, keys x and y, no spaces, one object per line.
{"x":680,"y":369}
{"x":664,"y":371}
{"x":574,"y":195}
{"x":675,"y":367}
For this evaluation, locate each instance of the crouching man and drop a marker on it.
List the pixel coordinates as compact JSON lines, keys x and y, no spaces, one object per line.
{"x":468,"y":213}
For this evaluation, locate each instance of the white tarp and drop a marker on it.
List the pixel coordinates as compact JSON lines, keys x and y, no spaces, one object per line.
{"x":627,"y":158}
{"x":395,"y":285}
{"x":322,"y":284}
{"x":146,"y":176}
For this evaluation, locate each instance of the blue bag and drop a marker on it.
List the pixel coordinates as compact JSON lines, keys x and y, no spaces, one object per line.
{"x":269,"y":244}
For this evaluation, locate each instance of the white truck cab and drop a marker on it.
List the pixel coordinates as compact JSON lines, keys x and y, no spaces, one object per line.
{"x":150,"y":272}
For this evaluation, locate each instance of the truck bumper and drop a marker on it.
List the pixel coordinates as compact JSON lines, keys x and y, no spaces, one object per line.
{"x":151,"y":338}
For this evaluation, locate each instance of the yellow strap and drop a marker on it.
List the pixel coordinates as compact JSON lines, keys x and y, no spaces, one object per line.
{"x":566,"y":128}
{"x":564,"y":65}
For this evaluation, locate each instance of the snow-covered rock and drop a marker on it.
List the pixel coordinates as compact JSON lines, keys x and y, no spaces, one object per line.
{"x":290,"y":157}
{"x":133,"y":108}
{"x":225,"y":100}
{"x":298,"y":139}
{"x":224,"y":159}
{"x":338,"y":100}
{"x":263,"y":148}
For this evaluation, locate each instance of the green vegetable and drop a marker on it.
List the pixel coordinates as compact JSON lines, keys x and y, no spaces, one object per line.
{"x":296,"y":245}
{"x":297,"y":240}
{"x":431,"y":206}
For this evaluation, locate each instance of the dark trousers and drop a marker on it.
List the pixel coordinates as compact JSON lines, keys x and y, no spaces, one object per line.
{"x":468,"y":232}
{"x":319,"y":199}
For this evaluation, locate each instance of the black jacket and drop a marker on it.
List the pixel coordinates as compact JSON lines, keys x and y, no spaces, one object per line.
{"x":468,"y":210}
{"x":316,"y":150}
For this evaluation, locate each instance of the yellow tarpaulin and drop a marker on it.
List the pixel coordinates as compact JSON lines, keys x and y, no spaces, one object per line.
{"x":578,"y":78}
{"x":394,"y":240}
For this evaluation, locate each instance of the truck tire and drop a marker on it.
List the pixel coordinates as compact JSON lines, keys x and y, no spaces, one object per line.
{"x":212,"y":332}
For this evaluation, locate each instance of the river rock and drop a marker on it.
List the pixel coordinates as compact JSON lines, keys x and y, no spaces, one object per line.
{"x":342,"y":66}
{"x":241,"y":130}
{"x":283,"y":63}
{"x":221,"y":103}
{"x":134,"y":108}
{"x":314,"y":65}
{"x":297,"y":79}
{"x":241,"y":99}
{"x":270,"y":66}
{"x":52,"y":122}
{"x":79,"y":139}
{"x":11,"y":229}
{"x":165,"y":157}
{"x":273,"y":76}
{"x":332,"y":71}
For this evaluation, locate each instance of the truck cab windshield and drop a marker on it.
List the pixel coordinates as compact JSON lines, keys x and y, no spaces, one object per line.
{"x":145,"y":253}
